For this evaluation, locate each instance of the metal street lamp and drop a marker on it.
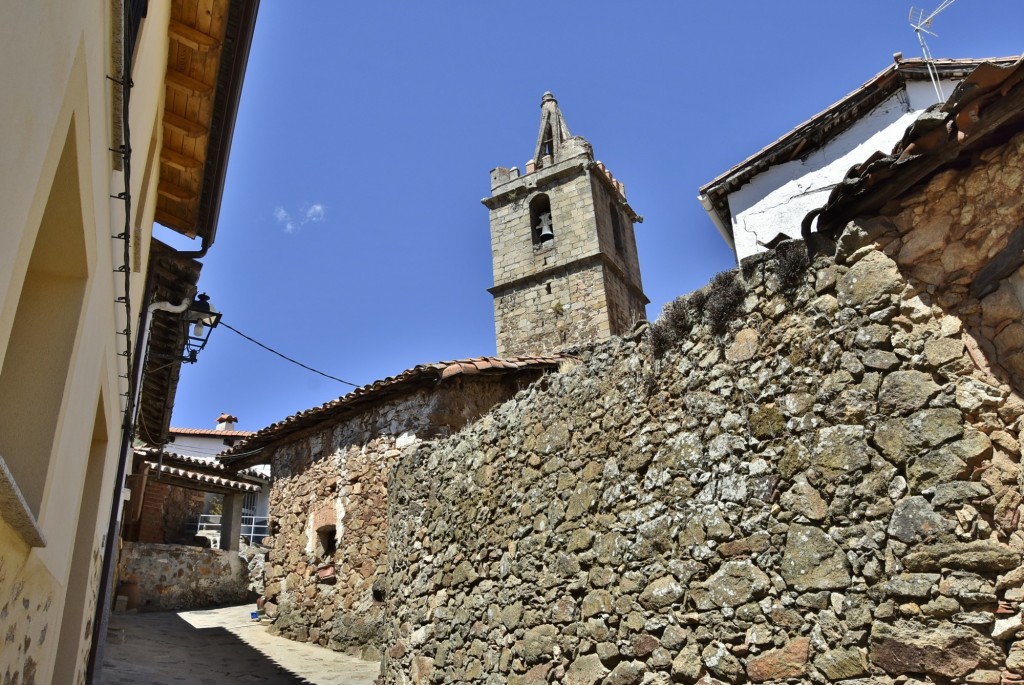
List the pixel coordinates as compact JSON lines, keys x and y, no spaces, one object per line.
{"x":201,"y":318}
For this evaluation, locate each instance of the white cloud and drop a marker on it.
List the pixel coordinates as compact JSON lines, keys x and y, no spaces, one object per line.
{"x":285,"y":219}
{"x":315,"y":212}
{"x":308,"y":213}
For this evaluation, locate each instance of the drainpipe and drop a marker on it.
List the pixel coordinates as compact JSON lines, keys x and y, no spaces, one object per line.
{"x":194,"y":254}
{"x":716,"y":219}
{"x":102,"y":616}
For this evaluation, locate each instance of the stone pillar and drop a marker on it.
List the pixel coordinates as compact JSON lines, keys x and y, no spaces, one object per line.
{"x":231,"y":522}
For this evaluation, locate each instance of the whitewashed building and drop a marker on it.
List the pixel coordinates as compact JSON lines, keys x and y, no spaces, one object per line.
{"x":206,"y":444}
{"x":766,"y":197}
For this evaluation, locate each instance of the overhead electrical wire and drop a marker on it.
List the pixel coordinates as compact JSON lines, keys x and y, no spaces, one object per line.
{"x":284,"y":356}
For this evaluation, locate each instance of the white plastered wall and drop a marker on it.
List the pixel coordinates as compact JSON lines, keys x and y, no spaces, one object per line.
{"x":777,"y":200}
{"x":48,"y":91}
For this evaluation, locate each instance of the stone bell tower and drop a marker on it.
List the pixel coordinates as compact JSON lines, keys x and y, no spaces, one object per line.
{"x":565,"y":263}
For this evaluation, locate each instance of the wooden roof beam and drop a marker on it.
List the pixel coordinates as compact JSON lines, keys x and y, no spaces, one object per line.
{"x":186,"y":84}
{"x":187,"y":127}
{"x":175,"y":222}
{"x":192,"y":37}
{"x":179,"y":161}
{"x":176,"y":192}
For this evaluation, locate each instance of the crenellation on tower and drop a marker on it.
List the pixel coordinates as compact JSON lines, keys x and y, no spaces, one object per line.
{"x":566,"y":268}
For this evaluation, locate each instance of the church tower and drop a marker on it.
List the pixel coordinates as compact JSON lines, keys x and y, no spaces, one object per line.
{"x":565,"y":263}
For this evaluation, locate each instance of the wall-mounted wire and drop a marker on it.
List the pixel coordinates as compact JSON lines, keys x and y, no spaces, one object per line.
{"x":285,"y":357}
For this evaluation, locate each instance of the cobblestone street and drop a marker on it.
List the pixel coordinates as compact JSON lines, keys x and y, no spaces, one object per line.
{"x":216,"y":646}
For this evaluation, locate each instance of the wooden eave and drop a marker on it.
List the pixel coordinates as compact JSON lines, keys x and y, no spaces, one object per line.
{"x":172,"y":279}
{"x":207,"y":54}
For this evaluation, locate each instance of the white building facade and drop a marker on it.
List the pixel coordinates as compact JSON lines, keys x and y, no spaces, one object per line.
{"x":766,"y":197}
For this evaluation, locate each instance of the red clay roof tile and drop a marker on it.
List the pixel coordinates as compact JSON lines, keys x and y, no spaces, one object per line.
{"x":436,"y":371}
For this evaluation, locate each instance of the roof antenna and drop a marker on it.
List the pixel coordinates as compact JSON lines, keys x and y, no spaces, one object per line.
{"x":921,"y":23}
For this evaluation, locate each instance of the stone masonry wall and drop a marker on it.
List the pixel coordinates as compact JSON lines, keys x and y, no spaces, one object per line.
{"x":625,"y":258}
{"x":582,"y":300}
{"x":549,"y":314}
{"x":336,"y":477}
{"x":180,"y":577}
{"x":625,"y":308}
{"x":572,"y":218}
{"x":828,"y":491}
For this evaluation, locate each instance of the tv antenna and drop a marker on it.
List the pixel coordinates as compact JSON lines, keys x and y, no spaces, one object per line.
{"x":921,"y":25}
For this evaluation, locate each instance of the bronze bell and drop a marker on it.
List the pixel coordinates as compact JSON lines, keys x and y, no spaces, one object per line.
{"x":545,"y":227}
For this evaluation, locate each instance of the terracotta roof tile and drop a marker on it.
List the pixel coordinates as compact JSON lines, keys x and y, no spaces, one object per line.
{"x":203,"y":479}
{"x":377,"y":390}
{"x":166,"y":465}
{"x":992,"y":96}
{"x":209,"y":463}
{"x":212,"y":432}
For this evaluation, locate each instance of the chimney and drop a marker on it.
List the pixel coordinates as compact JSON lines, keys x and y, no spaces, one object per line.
{"x":226,"y":422}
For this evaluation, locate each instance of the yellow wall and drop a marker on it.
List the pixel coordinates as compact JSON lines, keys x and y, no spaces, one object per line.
{"x":57,"y":261}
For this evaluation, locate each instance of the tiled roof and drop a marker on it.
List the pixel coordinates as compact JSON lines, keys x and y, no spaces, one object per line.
{"x":206,"y":462}
{"x":983,"y":109}
{"x":822,"y":127}
{"x":197,"y":476}
{"x":376,"y":391}
{"x":211,"y":432}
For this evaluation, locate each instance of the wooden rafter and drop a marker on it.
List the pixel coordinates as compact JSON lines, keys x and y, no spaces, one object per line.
{"x":186,"y":84}
{"x":176,"y":192}
{"x":192,"y":37}
{"x":179,"y":161}
{"x":192,"y":129}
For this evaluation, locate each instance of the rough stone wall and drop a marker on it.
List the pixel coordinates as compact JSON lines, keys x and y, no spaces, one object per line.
{"x":829,"y":491}
{"x":338,"y":611}
{"x":179,"y":577}
{"x":952,"y":229}
{"x":337,"y":476}
{"x":626,"y":307}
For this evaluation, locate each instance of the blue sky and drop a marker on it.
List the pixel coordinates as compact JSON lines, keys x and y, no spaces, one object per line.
{"x":351,"y":234}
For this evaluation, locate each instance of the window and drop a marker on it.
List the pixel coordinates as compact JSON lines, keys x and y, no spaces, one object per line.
{"x":79,"y":601}
{"x":541,"y":228}
{"x":37,"y":363}
{"x":616,"y":226}
{"x":249,"y":504}
{"x":547,"y":146}
{"x":327,"y":542}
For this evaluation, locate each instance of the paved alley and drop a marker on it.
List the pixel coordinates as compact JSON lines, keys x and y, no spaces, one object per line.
{"x":216,"y":646}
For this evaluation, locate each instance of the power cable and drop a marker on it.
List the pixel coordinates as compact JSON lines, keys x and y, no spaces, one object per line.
{"x":285,"y":357}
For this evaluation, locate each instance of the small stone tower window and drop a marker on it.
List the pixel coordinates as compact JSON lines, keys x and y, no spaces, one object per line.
{"x":547,"y":146}
{"x":616,"y":226}
{"x":540,"y":220}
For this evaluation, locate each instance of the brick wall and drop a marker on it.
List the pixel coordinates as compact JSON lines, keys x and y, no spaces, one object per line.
{"x":151,"y":521}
